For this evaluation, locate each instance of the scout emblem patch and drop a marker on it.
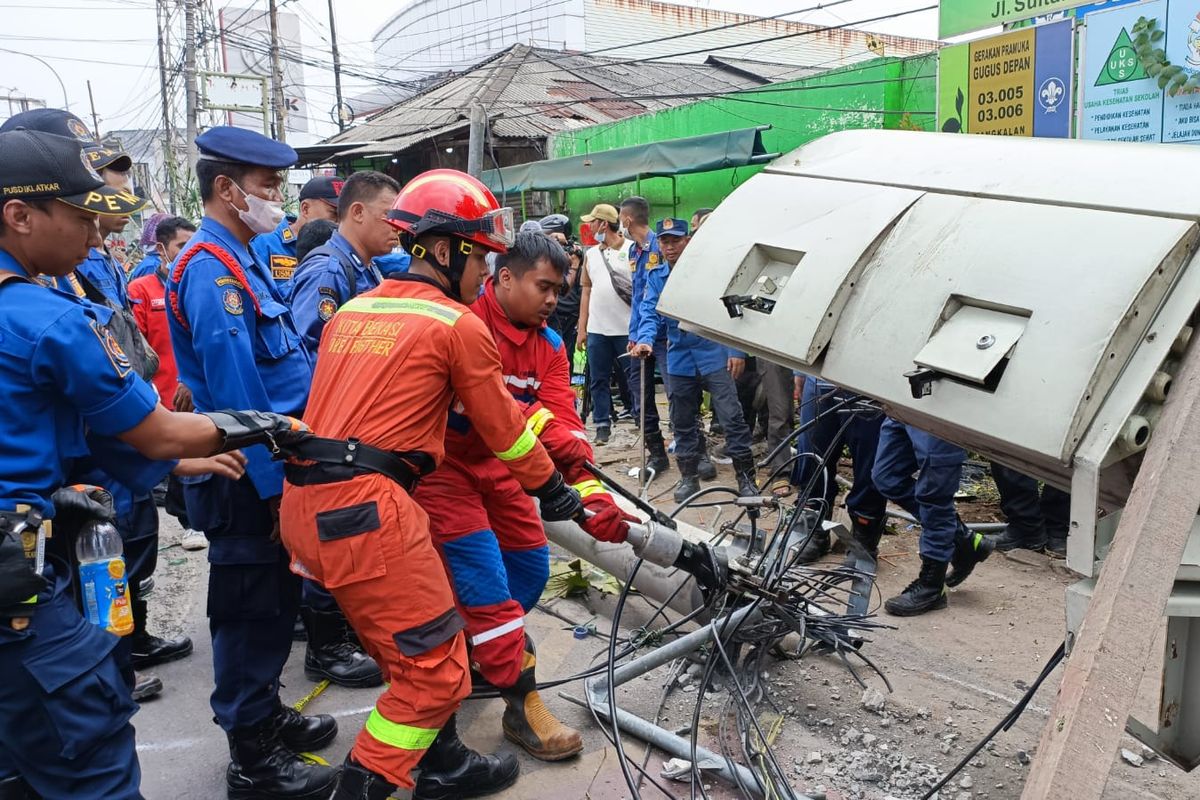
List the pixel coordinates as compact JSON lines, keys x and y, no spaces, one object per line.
{"x":232,"y":300}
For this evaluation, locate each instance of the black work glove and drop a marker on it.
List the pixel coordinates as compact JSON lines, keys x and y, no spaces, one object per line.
{"x":84,"y":501}
{"x":702,"y":561}
{"x":18,"y":581}
{"x":246,"y":428}
{"x":559,"y":501}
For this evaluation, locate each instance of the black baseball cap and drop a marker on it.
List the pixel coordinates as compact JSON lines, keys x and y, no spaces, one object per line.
{"x":323,"y":187}
{"x":42,"y":166}
{"x":64,"y":123}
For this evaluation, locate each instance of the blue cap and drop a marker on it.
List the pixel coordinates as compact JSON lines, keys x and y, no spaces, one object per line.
{"x":671,"y":227}
{"x":241,"y":146}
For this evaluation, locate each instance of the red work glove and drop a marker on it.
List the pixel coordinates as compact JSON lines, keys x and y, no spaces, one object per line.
{"x":607,"y":522}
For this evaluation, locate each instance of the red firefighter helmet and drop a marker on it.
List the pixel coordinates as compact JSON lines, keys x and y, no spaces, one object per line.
{"x":450,"y":202}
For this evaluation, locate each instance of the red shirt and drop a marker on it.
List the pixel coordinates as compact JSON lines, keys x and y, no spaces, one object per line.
{"x":393,"y":359}
{"x":535,"y":371}
{"x":147,"y":295}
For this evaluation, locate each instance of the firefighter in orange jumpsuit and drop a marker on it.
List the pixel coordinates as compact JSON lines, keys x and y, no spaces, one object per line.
{"x":391,"y":363}
{"x":486,"y":528}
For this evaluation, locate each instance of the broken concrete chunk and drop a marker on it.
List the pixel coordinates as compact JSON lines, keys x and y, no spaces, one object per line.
{"x":873,"y":700}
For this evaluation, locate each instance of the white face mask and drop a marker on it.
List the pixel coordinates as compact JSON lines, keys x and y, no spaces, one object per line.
{"x":260,"y":216}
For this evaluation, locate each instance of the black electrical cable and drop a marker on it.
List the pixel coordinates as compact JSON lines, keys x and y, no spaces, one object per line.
{"x":1007,"y":722}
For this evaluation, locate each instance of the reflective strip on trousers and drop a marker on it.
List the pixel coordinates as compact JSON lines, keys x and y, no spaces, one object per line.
{"x":537,"y":423}
{"x":402,"y":737}
{"x":521,"y":447}
{"x":498,"y":631}
{"x":589,"y":487}
{"x":403,"y":305}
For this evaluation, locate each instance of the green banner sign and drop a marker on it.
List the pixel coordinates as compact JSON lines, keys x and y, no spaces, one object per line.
{"x":964,"y":16}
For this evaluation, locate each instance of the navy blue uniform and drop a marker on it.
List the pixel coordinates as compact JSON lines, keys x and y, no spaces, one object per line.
{"x":320,"y":286}
{"x":650,"y":272}
{"x":829,"y":431}
{"x":921,"y":473}
{"x":694,"y":365}
{"x":68,"y":389}
{"x":236,"y":346}
{"x":276,"y":251}
{"x":146,"y":266}
{"x":105,"y":275}
{"x":137,"y":515}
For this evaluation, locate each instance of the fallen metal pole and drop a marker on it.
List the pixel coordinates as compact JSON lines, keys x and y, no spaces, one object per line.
{"x":674,"y":587}
{"x":597,"y":699}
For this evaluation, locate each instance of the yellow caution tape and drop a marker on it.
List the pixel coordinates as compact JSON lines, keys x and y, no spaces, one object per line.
{"x":308,"y":698}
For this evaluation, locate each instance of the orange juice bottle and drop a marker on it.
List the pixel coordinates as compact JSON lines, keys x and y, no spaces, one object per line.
{"x":102,"y":578}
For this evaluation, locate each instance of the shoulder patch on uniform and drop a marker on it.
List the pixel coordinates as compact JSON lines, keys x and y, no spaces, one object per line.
{"x":653,"y":261}
{"x":282,"y":267}
{"x":112,"y":348}
{"x":327,"y":291}
{"x":232,"y":300}
{"x":228,"y":280}
{"x":551,"y":335}
{"x":288,"y":235}
{"x":326,"y":308}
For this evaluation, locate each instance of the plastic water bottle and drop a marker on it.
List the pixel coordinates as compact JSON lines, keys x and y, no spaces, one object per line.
{"x":102,"y":578}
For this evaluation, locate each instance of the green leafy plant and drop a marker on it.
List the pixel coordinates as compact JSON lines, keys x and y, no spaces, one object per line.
{"x":1171,"y":78}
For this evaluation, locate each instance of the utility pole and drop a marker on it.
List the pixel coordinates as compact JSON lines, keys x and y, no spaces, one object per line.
{"x":276,"y":74}
{"x":163,"y":16}
{"x":475,"y":143}
{"x":95,"y":118}
{"x":189,"y":77}
{"x":337,"y":69}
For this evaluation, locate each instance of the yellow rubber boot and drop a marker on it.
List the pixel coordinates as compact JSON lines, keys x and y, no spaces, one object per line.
{"x":530,"y":724}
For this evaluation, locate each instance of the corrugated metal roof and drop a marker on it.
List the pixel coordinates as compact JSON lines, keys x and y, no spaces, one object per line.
{"x":532,"y":92}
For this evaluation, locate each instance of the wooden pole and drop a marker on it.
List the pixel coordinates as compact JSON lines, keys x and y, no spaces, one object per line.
{"x":1101,"y":677}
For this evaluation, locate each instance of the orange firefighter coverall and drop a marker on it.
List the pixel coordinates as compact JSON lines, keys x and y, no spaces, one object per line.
{"x":391,"y":363}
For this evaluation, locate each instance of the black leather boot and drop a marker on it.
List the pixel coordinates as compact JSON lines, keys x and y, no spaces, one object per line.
{"x":334,"y":654}
{"x":969,"y":549}
{"x":356,"y":782}
{"x":263,"y":768}
{"x":301,"y":733}
{"x":450,"y":769}
{"x":657,"y":453}
{"x":926,"y":593}
{"x":1017,"y":539}
{"x":149,"y":650}
{"x":743,"y":468}
{"x":689,"y":480}
{"x":815,"y":547}
{"x":867,"y":532}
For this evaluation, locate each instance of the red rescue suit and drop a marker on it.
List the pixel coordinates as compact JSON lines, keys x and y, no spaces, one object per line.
{"x":486,"y":527}
{"x":391,"y":362}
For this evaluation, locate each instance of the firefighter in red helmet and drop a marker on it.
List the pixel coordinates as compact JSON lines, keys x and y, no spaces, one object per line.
{"x":390,"y":362}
